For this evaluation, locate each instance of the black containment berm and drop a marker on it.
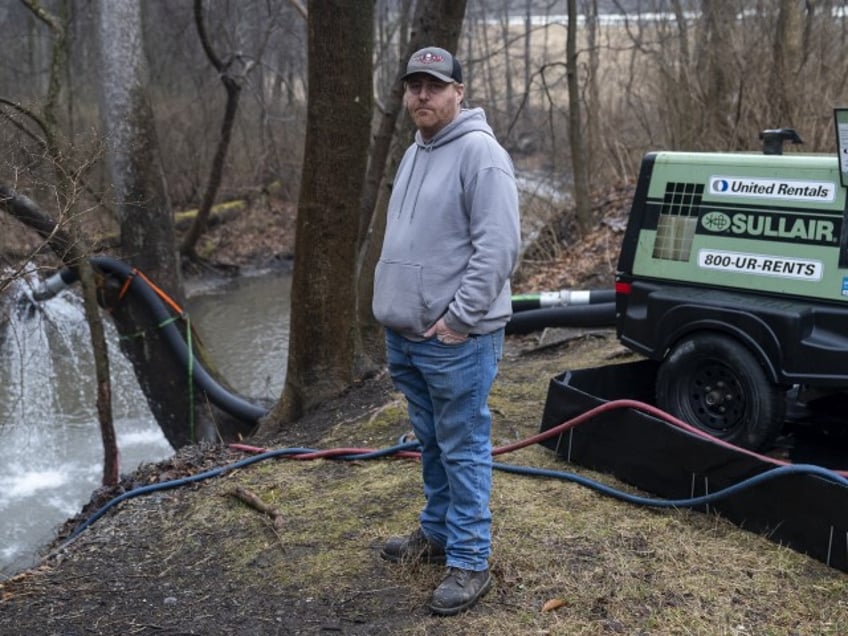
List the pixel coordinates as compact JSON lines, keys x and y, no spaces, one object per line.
{"x":804,"y":507}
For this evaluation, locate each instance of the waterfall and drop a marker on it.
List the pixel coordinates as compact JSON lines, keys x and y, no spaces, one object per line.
{"x":51,"y":455}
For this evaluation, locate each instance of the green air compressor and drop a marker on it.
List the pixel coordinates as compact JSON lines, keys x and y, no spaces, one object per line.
{"x":733,"y":274}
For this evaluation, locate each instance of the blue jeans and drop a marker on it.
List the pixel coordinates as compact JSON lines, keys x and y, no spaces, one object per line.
{"x":447,"y":387}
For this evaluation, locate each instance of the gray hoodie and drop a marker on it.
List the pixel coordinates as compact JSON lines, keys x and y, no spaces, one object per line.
{"x":452,"y":234}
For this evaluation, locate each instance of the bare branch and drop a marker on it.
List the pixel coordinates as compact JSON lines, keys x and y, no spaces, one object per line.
{"x":300,"y":8}
{"x":204,"y":38}
{"x":29,"y":114}
{"x":52,"y":22}
{"x":252,"y":500}
{"x":27,"y":212}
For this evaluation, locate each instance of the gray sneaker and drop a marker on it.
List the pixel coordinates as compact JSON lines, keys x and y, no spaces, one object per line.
{"x":460,"y":590}
{"x":413,"y":547}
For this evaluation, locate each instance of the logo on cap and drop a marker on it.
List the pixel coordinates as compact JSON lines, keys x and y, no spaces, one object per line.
{"x":429,"y":58}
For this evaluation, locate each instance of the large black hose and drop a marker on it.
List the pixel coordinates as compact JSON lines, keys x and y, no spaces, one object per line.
{"x":228,"y":402}
{"x":599,"y":315}
{"x":593,"y":308}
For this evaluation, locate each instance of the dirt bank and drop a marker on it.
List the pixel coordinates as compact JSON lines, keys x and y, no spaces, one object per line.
{"x":197,"y":559}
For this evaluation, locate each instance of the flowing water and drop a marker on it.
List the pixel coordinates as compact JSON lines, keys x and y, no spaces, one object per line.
{"x":50,"y":448}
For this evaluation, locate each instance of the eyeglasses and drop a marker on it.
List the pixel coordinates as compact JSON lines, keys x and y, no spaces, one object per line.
{"x":433,"y":88}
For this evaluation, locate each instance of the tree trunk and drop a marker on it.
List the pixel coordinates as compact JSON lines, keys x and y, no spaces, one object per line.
{"x":715,"y":62}
{"x":321,"y":349}
{"x":77,"y":252}
{"x":787,"y":48}
{"x":508,"y":97}
{"x":575,"y":126}
{"x":593,"y":106}
{"x":436,"y":22}
{"x":147,"y":234}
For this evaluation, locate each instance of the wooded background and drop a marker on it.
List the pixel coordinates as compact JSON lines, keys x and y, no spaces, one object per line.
{"x":652,"y":74}
{"x":115,"y":113}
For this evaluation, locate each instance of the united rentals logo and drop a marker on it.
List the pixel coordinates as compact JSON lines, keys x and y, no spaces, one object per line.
{"x":796,"y":190}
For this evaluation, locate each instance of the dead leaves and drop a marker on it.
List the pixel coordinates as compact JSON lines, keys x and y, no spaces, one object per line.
{"x":553,"y":604}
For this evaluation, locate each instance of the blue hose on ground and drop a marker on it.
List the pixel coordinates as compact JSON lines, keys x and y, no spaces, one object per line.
{"x":689,"y":502}
{"x":216,"y":472}
{"x":307,"y":453}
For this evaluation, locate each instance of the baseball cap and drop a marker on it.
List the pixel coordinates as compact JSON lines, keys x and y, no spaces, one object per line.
{"x":436,"y":62}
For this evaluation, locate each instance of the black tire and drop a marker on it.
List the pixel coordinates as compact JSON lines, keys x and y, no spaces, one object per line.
{"x":715,"y":384}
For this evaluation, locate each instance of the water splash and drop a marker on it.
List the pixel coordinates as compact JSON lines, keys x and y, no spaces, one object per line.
{"x":50,"y":449}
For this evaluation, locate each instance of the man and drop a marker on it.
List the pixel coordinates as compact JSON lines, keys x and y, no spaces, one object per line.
{"x":442,"y":291}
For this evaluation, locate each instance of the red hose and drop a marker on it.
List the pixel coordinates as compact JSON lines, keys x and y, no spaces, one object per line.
{"x":552,"y":432}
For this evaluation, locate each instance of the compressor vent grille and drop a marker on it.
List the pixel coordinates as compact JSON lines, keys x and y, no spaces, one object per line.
{"x":677,"y":220}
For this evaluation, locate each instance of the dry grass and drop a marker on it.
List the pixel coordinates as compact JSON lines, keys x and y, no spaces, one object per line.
{"x":612,"y":568}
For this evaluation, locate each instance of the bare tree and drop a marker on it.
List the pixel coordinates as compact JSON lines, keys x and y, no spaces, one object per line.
{"x":507,"y":97}
{"x":579,"y":163}
{"x":321,"y":345}
{"x":788,"y":40}
{"x":715,"y":61}
{"x":232,"y":72}
{"x":527,"y":64}
{"x":593,"y":91}
{"x":75,"y":251}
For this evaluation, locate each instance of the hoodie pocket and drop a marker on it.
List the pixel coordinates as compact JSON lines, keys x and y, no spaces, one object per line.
{"x":399,"y":301}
